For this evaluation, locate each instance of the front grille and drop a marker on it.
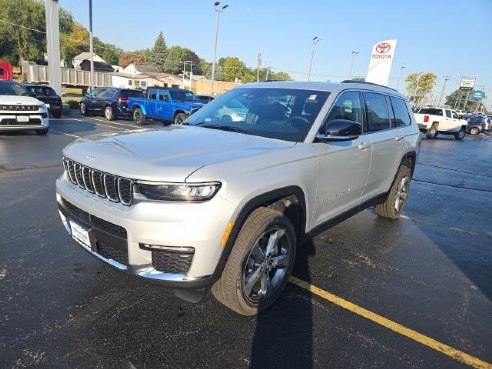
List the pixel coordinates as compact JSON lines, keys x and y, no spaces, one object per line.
{"x":97,"y":222}
{"x":5,"y":107}
{"x":105,"y":185}
{"x":171,"y":261}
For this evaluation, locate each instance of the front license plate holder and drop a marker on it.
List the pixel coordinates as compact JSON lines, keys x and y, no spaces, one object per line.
{"x":80,"y":234}
{"x":23,"y":118}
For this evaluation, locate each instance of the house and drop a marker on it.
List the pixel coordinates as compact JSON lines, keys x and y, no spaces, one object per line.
{"x":140,"y":68}
{"x":144,"y":80}
{"x":98,"y":66}
{"x":77,"y":60}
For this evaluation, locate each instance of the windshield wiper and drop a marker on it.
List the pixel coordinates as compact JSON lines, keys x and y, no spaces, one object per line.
{"x":226,"y":128}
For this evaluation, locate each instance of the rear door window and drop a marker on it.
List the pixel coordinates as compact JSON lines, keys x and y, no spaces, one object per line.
{"x":378,"y":116}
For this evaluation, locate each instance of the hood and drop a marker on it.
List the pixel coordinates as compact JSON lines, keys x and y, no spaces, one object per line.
{"x":187,"y":105}
{"x":169,"y":154}
{"x":18,"y":100}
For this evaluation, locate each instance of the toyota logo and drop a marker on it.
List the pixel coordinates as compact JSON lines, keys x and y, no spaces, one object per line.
{"x":383,"y":47}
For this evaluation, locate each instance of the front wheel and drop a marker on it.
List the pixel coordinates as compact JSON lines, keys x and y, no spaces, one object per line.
{"x":138,"y":116}
{"x":57,"y":114}
{"x":398,"y":194}
{"x":260,"y":263}
{"x":180,"y":118}
{"x":474,"y":131}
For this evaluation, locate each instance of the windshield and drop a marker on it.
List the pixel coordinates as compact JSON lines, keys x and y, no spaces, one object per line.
{"x":284,"y":114}
{"x":7,"y":88}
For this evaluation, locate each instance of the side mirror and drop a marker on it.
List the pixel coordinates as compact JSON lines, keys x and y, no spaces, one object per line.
{"x":339,"y":130}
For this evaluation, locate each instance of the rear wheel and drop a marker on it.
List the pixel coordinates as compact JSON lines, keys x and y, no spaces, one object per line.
{"x":432,"y":131}
{"x":138,"y":116}
{"x":260,"y":263}
{"x":460,"y":135}
{"x":109,"y":113}
{"x":57,"y":114}
{"x":474,"y":131}
{"x":180,"y":118}
{"x":398,"y":194}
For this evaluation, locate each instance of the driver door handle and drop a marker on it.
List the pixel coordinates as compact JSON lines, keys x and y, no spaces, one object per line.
{"x":399,"y":137}
{"x":364,"y":146}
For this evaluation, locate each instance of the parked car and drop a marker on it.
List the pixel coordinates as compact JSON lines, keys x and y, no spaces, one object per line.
{"x":47,"y":95}
{"x":204,"y":98}
{"x":19,"y":111}
{"x":232,"y":111}
{"x":109,"y":102}
{"x":223,"y":205}
{"x":476,"y":124}
{"x":434,"y":120}
{"x":164,"y":104}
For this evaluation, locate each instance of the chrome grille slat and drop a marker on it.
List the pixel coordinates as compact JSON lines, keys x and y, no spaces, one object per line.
{"x":105,"y":185}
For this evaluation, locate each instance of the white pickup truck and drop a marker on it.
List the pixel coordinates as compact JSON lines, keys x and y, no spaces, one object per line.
{"x":434,"y":121}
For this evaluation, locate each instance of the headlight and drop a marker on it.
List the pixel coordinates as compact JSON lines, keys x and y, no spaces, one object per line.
{"x":42,"y":106}
{"x":177,"y":191}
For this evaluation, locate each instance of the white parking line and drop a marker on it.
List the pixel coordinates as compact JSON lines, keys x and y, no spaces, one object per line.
{"x":63,"y":133}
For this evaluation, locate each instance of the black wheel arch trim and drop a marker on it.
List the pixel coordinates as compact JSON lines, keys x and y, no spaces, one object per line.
{"x":254,"y":203}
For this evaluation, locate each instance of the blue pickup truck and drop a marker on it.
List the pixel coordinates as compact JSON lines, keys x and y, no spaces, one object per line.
{"x":165,"y":104}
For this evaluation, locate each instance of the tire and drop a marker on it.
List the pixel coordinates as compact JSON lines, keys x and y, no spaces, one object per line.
{"x":57,"y":114}
{"x":138,"y":116}
{"x":83,"y":109}
{"x":460,"y":135}
{"x":398,"y":194}
{"x":109,"y":113}
{"x":42,"y":132}
{"x":474,"y":131}
{"x":227,"y":118}
{"x":431,"y":132}
{"x":180,"y":118}
{"x":252,"y":280}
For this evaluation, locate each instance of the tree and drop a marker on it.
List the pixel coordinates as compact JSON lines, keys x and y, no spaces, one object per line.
{"x":136,"y":57}
{"x":159,"y":52}
{"x":175,"y":58}
{"x":419,"y":85}
{"x":456,"y":100}
{"x":22,"y":35}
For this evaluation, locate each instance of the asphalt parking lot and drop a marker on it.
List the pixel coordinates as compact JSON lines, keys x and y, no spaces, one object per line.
{"x":367,"y":293}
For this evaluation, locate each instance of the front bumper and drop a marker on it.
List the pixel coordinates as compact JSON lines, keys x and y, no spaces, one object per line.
{"x":152,"y":240}
{"x":14,"y":121}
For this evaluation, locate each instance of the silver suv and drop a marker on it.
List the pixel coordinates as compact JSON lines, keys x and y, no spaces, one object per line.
{"x":222,"y":204}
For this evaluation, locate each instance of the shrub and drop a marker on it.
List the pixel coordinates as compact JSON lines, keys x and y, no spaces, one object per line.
{"x":74,"y":104}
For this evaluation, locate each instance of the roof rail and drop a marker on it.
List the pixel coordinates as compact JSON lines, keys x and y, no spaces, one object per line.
{"x":368,"y":83}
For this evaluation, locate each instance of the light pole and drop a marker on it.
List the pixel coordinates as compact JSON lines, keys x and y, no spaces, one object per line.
{"x":316,"y":39}
{"x":354,"y":53}
{"x":399,"y":78}
{"x":446,"y":79}
{"x":218,"y":9}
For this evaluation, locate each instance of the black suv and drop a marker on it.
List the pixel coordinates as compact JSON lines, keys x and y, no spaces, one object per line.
{"x":47,"y":95}
{"x":110,"y":102}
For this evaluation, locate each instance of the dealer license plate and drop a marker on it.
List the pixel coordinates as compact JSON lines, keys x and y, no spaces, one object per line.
{"x":23,"y":118}
{"x":80,"y":234}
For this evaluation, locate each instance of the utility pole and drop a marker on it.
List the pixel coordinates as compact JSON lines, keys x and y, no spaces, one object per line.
{"x":91,"y":47}
{"x":218,"y":9}
{"x":446,"y":79}
{"x":53,"y":44}
{"x":316,"y":39}
{"x":258,"y":66}
{"x":354,"y":53}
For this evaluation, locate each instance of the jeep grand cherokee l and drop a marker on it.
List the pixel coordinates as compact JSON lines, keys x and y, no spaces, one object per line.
{"x":223,"y":204}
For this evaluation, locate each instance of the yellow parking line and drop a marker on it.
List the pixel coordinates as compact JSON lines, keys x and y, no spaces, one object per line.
{"x":395,"y":327}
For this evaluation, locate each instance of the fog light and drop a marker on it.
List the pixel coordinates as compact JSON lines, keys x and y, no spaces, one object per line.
{"x":65,"y":222}
{"x":177,"y":249}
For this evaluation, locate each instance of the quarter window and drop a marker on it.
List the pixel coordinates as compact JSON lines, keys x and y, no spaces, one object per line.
{"x":378,"y":117}
{"x":402,"y":118}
